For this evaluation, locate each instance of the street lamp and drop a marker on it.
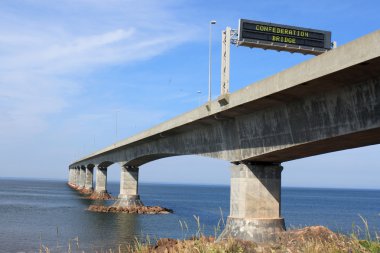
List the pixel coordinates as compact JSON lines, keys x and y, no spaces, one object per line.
{"x":212,"y":22}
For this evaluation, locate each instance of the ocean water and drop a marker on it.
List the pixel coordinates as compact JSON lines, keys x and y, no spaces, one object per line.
{"x":38,"y":213}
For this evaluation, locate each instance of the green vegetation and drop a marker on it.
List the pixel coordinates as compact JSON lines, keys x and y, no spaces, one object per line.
{"x":208,"y":245}
{"x":315,"y":239}
{"x":369,"y":243}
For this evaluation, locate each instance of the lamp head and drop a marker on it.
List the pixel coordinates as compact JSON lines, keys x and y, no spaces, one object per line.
{"x":213,"y":22}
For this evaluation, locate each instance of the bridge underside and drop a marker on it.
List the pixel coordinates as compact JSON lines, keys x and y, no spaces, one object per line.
{"x":354,"y":140}
{"x":345,"y":117}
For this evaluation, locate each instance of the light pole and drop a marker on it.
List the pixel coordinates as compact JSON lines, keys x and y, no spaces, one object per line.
{"x":212,"y":22}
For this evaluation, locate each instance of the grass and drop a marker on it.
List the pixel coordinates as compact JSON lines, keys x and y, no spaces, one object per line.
{"x":360,"y":241}
{"x":369,"y":243}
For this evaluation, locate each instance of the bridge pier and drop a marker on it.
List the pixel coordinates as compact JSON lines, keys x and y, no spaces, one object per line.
{"x":77,"y":177}
{"x":70,"y":181}
{"x":129,"y":180}
{"x":82,"y":177}
{"x":101,"y":180}
{"x":101,"y":184}
{"x":89,"y":179}
{"x":72,"y":177}
{"x":255,"y":203}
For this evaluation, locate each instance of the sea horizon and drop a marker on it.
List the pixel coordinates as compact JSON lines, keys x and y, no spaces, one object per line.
{"x":194,"y":184}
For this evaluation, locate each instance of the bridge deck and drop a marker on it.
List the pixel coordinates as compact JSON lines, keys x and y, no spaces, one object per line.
{"x":349,"y":64}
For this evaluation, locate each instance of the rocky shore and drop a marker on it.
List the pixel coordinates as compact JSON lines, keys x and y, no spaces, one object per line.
{"x":131,"y":209}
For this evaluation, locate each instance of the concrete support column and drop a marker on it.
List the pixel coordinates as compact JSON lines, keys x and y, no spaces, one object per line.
{"x":82,"y":177}
{"x":89,"y":178}
{"x":70,"y":181}
{"x":101,"y":180}
{"x":255,"y":203}
{"x":77,"y":176}
{"x":72,"y":176}
{"x":129,"y":180}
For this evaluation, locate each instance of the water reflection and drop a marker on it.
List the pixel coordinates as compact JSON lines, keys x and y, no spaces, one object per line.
{"x":128,"y":227}
{"x":106,"y":230}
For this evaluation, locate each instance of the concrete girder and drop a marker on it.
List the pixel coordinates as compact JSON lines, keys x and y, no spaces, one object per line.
{"x":146,"y":159}
{"x":90,"y":165}
{"x":324,"y":122}
{"x":105,"y":164}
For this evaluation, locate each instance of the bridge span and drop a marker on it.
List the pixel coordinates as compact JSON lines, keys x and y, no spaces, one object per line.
{"x":328,"y":103}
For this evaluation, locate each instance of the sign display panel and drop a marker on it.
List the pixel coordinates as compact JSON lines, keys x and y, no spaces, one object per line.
{"x":283,"y":37}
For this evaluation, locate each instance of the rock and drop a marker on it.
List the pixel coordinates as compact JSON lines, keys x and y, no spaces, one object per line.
{"x":100,"y":196}
{"x":131,"y":210}
{"x":86,"y":191}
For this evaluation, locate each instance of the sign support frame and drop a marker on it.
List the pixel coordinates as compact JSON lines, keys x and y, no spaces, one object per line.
{"x":233,"y":36}
{"x":225,"y":66}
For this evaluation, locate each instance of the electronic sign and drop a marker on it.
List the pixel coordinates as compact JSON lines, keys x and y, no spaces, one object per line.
{"x":283,"y":37}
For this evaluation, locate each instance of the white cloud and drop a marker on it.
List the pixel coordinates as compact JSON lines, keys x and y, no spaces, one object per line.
{"x":69,"y":55}
{"x":45,"y":46}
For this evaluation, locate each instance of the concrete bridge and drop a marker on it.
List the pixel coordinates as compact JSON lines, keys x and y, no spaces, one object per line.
{"x":328,"y":103}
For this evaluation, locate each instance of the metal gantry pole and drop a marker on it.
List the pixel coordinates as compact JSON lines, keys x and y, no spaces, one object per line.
{"x":225,"y":71}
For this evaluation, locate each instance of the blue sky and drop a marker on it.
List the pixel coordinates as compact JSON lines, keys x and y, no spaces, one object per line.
{"x":70,"y":66}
